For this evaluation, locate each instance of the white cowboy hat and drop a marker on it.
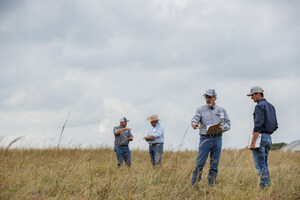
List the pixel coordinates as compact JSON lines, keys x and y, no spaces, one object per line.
{"x":153,"y":118}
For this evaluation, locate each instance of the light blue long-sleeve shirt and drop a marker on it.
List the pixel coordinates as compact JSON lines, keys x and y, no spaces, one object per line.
{"x":206,"y":116}
{"x":158,"y":133}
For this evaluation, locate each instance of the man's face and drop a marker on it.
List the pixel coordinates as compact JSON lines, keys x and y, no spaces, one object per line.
{"x":255,"y":97}
{"x":123,"y":124}
{"x":210,"y":100}
{"x":153,"y":123}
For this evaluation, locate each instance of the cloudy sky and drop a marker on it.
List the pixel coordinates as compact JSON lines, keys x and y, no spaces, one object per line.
{"x":102,"y":60}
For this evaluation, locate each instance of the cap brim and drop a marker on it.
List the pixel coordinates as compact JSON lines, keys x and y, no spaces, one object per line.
{"x":249,"y":94}
{"x":211,"y":95}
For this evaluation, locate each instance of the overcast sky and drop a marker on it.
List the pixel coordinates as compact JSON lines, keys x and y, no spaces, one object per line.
{"x":102,"y":60}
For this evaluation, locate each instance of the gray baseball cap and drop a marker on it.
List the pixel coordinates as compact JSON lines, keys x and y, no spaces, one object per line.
{"x":255,"y":89}
{"x":210,"y":92}
{"x":123,"y":119}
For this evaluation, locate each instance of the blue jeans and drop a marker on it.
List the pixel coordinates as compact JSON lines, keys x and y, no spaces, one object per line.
{"x":123,"y":153}
{"x":212,"y":145}
{"x":156,"y":152}
{"x":260,"y":156}
{"x":115,"y":148}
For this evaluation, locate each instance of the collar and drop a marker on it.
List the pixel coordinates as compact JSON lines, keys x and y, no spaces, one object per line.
{"x":263,"y":99}
{"x":211,"y":108}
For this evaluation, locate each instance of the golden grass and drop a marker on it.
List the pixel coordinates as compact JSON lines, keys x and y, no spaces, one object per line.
{"x":92,"y":174}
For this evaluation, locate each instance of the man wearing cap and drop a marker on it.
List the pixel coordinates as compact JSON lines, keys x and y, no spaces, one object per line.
{"x":155,"y":138}
{"x":205,"y":116}
{"x":122,"y":137}
{"x":265,"y":123}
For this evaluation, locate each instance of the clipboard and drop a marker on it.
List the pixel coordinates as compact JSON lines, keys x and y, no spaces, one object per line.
{"x":257,"y":142}
{"x":212,"y":129}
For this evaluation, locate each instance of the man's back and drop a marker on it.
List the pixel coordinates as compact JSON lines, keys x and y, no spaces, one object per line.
{"x":265,"y":117}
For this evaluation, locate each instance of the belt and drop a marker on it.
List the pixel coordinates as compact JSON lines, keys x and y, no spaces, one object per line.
{"x":155,"y":144}
{"x":123,"y":145}
{"x":213,"y":135}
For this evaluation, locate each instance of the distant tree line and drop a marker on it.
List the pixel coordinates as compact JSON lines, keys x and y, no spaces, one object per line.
{"x":277,"y":146}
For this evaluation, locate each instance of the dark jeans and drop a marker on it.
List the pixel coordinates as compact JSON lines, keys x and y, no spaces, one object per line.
{"x":260,"y":156}
{"x":123,"y":153}
{"x":115,"y":148}
{"x":156,"y":152}
{"x":212,"y":145}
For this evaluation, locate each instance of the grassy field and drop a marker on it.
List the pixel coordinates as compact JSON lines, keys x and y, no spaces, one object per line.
{"x":92,"y":174}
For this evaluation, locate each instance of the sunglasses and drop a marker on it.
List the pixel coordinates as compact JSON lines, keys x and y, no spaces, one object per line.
{"x":208,"y":97}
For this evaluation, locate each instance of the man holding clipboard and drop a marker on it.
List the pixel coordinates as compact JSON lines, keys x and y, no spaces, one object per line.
{"x":265,"y":123}
{"x":211,"y":120}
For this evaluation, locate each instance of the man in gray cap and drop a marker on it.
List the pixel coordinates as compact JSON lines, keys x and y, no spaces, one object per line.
{"x":265,"y":123}
{"x":207,"y":115}
{"x":122,"y":137}
{"x":155,"y":138}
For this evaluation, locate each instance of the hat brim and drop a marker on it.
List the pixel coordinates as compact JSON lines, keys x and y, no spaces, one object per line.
{"x":152,"y":120}
{"x":249,"y":94}
{"x":211,"y":95}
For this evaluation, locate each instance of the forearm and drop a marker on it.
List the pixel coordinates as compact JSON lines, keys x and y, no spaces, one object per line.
{"x":196,"y":117}
{"x":195,"y":120}
{"x":254,"y":137}
{"x":117,"y":132}
{"x":149,"y":137}
{"x":225,"y":126}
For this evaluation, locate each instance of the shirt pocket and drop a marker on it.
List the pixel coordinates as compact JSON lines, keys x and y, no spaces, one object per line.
{"x":219,"y":115}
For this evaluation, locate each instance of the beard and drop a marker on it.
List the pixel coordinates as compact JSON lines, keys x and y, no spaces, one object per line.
{"x":209,"y":103}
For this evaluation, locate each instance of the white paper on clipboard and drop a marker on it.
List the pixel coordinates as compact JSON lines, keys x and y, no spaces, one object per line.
{"x":257,"y":142}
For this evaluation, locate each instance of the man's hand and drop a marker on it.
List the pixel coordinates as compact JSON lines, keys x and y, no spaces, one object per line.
{"x":131,"y":138}
{"x":252,"y":146}
{"x":195,"y":125}
{"x":220,"y":129}
{"x":149,"y":137}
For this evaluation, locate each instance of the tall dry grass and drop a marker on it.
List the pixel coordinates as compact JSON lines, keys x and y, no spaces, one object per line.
{"x":92,"y":174}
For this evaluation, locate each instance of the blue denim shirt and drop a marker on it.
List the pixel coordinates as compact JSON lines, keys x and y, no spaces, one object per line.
{"x":206,"y":116}
{"x":158,"y":133}
{"x":122,"y":138}
{"x":265,"y":120}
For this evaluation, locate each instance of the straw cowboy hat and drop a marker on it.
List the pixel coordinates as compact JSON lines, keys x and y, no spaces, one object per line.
{"x":153,"y":118}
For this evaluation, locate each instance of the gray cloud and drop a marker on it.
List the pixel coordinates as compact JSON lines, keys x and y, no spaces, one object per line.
{"x":102,"y":60}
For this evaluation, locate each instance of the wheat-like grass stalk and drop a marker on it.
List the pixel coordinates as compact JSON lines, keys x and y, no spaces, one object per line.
{"x":62,"y":130}
{"x":11,"y":143}
{"x":57,"y":149}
